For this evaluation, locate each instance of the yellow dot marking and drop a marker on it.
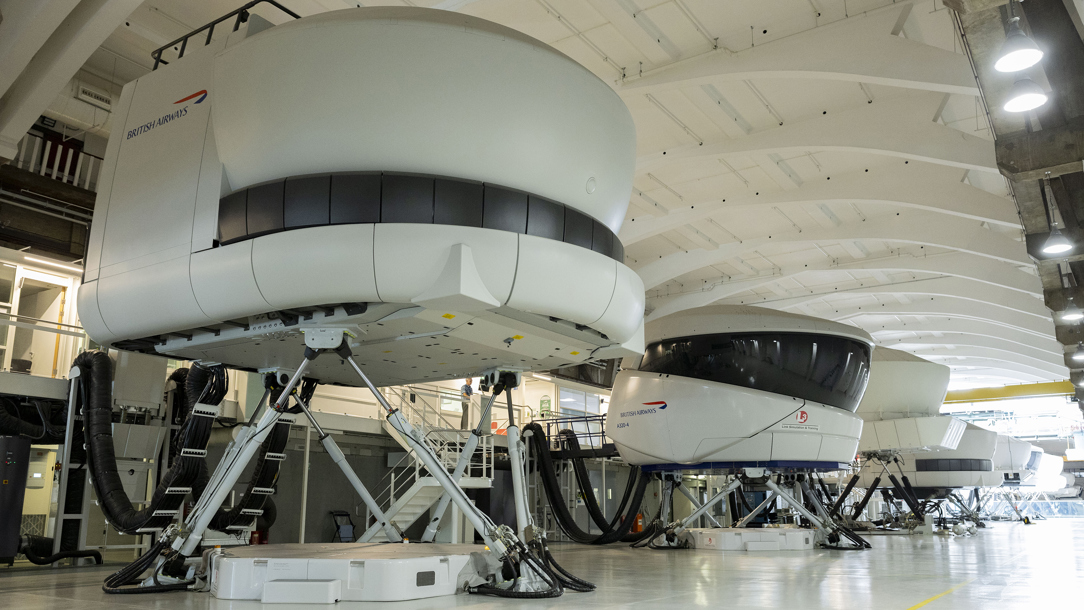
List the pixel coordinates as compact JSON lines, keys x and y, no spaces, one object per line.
{"x":517,"y":337}
{"x":448,"y":316}
{"x":575,"y":353}
{"x":387,"y":351}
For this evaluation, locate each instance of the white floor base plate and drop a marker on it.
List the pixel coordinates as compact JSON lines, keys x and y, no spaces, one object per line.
{"x":347,"y":572}
{"x":747,"y":539}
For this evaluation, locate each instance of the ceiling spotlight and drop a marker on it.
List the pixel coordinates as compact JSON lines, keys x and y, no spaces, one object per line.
{"x":1078,"y":355}
{"x":1025,"y":95}
{"x":1019,"y":52}
{"x":1056,"y":243}
{"x":1072,"y":313}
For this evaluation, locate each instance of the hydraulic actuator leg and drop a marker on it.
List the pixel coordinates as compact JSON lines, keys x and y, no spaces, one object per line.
{"x":495,"y":537}
{"x":460,"y":468}
{"x":696,"y":504}
{"x":229,"y":469}
{"x":719,"y":497}
{"x":759,"y":509}
{"x":339,"y":458}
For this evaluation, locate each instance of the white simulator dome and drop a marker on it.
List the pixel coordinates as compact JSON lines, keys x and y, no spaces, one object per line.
{"x":447,"y":189}
{"x":902,"y":403}
{"x":735,"y":386}
{"x":1016,"y":460}
{"x":970,"y":464}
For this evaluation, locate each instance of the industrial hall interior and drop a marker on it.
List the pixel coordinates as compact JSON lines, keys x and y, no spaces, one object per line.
{"x":656,"y":304}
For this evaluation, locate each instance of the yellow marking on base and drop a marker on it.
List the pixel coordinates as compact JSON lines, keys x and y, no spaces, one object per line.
{"x":448,"y":315}
{"x":940,"y":595}
{"x":517,"y":337}
{"x":575,"y":353}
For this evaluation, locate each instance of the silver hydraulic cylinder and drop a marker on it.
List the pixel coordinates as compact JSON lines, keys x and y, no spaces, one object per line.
{"x":519,"y":490}
{"x":460,"y":468}
{"x":478,"y":519}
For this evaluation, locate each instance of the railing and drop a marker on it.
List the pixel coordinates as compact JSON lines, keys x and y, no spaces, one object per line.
{"x":590,"y":430}
{"x":241,"y":15}
{"x":445,"y":438}
{"x":58,"y":161}
{"x":38,"y":347}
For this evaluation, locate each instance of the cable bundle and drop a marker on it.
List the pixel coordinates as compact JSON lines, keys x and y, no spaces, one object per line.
{"x":15,"y":424}
{"x":209,"y":384}
{"x":616,"y":530}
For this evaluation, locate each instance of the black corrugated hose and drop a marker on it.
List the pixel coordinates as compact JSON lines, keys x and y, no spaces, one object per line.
{"x":17,"y":426}
{"x":205,"y":385}
{"x":39,"y":551}
{"x":564,"y":518}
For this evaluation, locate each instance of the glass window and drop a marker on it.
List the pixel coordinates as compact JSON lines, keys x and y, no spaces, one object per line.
{"x":592,"y":403}
{"x":827,"y":369}
{"x":452,"y":404}
{"x":573,"y":402}
{"x":7,"y":282}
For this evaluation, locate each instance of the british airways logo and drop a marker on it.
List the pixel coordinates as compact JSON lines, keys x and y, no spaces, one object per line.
{"x":162,"y":120}
{"x":202,"y":95}
{"x":655,"y":407}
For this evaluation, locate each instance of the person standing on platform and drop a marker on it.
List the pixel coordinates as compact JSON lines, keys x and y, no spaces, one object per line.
{"x":467,"y":391}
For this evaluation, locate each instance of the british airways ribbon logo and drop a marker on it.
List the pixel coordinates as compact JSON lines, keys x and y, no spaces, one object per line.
{"x":660,"y":404}
{"x":202,"y":95}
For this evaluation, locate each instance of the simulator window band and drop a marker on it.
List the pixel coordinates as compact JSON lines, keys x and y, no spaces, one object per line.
{"x":827,"y":369}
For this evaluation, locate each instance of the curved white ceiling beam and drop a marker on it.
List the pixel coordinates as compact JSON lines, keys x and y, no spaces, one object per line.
{"x":919,"y":228}
{"x":905,"y":187}
{"x":900,"y":127}
{"x":952,"y":309}
{"x":948,"y":344}
{"x":861,"y":50}
{"x":919,"y":345}
{"x":978,"y":358}
{"x":888,"y":332}
{"x":954,"y":264}
{"x":987,"y":368}
{"x":925,"y":289}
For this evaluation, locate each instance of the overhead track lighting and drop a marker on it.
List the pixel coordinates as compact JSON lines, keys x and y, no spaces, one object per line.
{"x":1025,"y":95}
{"x":1019,"y":52}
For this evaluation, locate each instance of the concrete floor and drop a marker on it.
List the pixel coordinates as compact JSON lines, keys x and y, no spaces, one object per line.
{"x":1005,"y":566}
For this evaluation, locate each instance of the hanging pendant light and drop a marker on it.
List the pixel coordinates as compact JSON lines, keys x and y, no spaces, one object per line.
{"x":1025,"y":95}
{"x":1019,"y":52}
{"x":1078,"y":355}
{"x":1072,"y":313}
{"x":1057,"y":243}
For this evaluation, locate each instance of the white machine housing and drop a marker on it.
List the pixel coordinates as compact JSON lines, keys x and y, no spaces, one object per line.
{"x":970,"y":464}
{"x":661,"y":417}
{"x":902,"y":403}
{"x":1017,"y":461}
{"x":447,"y":187}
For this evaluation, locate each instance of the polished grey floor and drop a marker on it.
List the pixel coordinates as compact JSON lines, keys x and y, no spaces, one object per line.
{"x":1006,"y":566}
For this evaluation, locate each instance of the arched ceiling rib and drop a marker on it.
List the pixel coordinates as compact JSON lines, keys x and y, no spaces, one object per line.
{"x":901,"y":187}
{"x":955,"y":264}
{"x":903,"y":128}
{"x":863,"y":50}
{"x":912,"y":227}
{"x":938,"y":287}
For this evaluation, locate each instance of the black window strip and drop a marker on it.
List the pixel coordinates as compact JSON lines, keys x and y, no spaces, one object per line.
{"x":374,"y":197}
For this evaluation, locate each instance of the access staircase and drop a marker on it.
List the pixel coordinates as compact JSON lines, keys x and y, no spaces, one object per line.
{"x":408,"y":491}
